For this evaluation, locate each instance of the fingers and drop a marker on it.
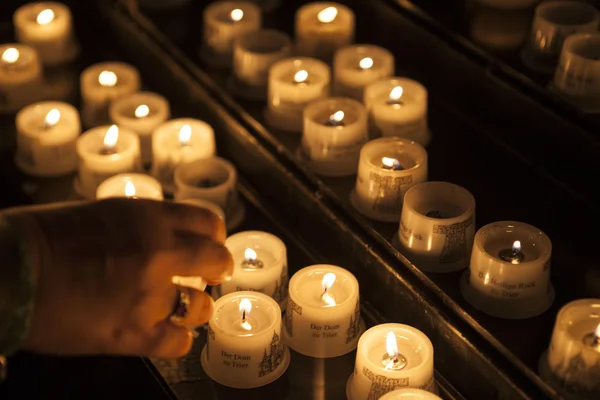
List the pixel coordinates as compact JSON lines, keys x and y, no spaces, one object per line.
{"x":199,"y":310}
{"x":186,"y":218}
{"x":167,"y":340}
{"x":198,"y":256}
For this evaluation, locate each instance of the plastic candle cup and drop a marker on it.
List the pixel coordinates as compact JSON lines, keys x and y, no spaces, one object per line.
{"x":323,"y":312}
{"x":552,"y":23}
{"x":136,"y":186}
{"x":142,"y":113}
{"x":253,"y":56}
{"x":509,"y":273}
{"x":322,"y":28}
{"x":293,"y":83}
{"x":177,"y":142}
{"x":244,"y":348}
{"x":334,"y":131}
{"x":437,"y":226}
{"x":572,"y":362}
{"x":46,"y":137}
{"x":260,"y":265}
{"x":398,"y":107}
{"x":103,"y":152}
{"x":20,"y":77}
{"x":356,"y":66}
{"x":577,"y":76}
{"x":48,"y":28}
{"x":387,"y":168}
{"x":410,"y":394}
{"x":214,"y":180}
{"x":103,"y":83}
{"x":224,"y":22}
{"x":390,"y":357}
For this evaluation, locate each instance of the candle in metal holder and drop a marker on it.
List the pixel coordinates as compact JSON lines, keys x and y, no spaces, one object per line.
{"x":392,"y":359}
{"x":513,"y":255}
{"x":110,"y":141}
{"x":251,"y":260}
{"x":336,"y":119}
{"x":391,"y":164}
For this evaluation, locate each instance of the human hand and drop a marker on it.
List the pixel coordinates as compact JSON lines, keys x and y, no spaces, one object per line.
{"x":104,"y":275}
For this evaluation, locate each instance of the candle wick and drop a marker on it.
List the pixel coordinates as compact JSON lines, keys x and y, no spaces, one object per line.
{"x":244,"y":316}
{"x":596,"y":341}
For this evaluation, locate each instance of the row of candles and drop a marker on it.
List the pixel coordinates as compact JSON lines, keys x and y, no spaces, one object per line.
{"x":509,"y":268}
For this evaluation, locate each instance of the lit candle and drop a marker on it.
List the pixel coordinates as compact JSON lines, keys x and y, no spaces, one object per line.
{"x":260,"y":265}
{"x":572,"y":362}
{"x":103,"y":83}
{"x":46,"y":137}
{"x":389,"y":357}
{"x":334,"y":131}
{"x":244,"y":347}
{"x":253,"y":56}
{"x":410,"y":394}
{"x":356,"y":66}
{"x":20,"y":77}
{"x":437,"y":226}
{"x":293,"y":83}
{"x":387,"y":168}
{"x":224,"y":22}
{"x":323,"y":312}
{"x":322,"y":28}
{"x":48,"y":28}
{"x":137,"y":186}
{"x":507,"y":279}
{"x":398,"y":107}
{"x":212,"y":179}
{"x":180,"y":141}
{"x":103,"y":152}
{"x":142,"y":113}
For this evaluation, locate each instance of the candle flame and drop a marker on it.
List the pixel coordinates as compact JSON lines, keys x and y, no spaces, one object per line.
{"x":327,"y":15}
{"x":129,"y":189}
{"x":396,"y":93}
{"x":236,"y":15}
{"x":250,"y":255}
{"x":301,"y":76}
{"x":366,"y":63}
{"x":597,"y":333}
{"x":52,"y":118}
{"x":185,"y":134}
{"x":391,"y":345}
{"x":516,"y":247}
{"x":10,"y":55}
{"x":107,"y":79}
{"x":390,"y":162}
{"x":328,"y":281}
{"x":111,"y":137}
{"x":338,"y":116}
{"x":45,"y":17}
{"x":142,"y":111}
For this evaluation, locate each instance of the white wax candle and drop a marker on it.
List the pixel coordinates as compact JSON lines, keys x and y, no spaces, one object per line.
{"x":46,"y":137}
{"x":323,"y":312}
{"x":103,"y":152}
{"x":573,"y":359}
{"x":142,"y":113}
{"x":103,"y":83}
{"x":253,"y":56}
{"x":410,"y":394}
{"x":509,"y":274}
{"x":20,"y":77}
{"x":293,"y":83}
{"x":244,"y":348}
{"x":334,"y":131}
{"x":260,"y":265}
{"x":437,"y":226}
{"x":398,"y":107}
{"x":322,"y":28}
{"x":138,"y":186}
{"x":356,"y":66}
{"x":177,"y":142}
{"x":391,"y":356}
{"x":224,"y":22}
{"x":387,"y":168}
{"x":212,"y":179}
{"x":48,"y":28}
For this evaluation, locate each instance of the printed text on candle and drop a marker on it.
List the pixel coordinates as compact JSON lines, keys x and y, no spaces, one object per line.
{"x":324,"y":331}
{"x":235,"y":360}
{"x":504,"y":289}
